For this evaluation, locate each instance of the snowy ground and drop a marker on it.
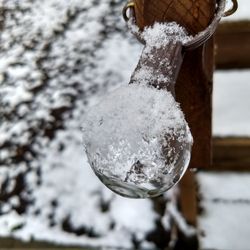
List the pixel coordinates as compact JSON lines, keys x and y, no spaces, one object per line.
{"x":56,"y":59}
{"x":231,"y":103}
{"x":225,"y":210}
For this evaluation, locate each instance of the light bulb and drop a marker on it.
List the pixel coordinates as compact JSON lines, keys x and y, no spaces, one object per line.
{"x":136,"y":139}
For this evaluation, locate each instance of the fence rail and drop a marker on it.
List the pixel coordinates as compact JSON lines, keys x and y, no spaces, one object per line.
{"x":233,"y":45}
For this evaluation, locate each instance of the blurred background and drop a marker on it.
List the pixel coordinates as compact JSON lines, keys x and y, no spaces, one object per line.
{"x":58,"y":58}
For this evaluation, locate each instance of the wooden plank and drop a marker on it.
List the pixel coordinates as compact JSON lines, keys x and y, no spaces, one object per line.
{"x":231,"y":154}
{"x":194,"y":84}
{"x":11,"y":243}
{"x":233,"y":45}
{"x":188,"y":198}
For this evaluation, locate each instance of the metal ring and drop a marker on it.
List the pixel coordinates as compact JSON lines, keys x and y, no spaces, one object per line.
{"x":128,"y":6}
{"x":198,"y":39}
{"x":203,"y":36}
{"x":233,"y":9}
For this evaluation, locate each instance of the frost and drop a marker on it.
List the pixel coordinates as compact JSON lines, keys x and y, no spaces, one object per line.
{"x":159,"y":39}
{"x":137,"y":141}
{"x":162,"y":33}
{"x":145,"y":75}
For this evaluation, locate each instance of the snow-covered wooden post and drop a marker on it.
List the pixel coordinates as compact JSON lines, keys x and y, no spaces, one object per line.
{"x":194,"y":84}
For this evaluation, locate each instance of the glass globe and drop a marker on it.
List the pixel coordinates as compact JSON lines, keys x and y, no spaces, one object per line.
{"x":137,"y":141}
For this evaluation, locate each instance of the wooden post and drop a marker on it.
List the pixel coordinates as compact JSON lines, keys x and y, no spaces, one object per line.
{"x":194,"y":85}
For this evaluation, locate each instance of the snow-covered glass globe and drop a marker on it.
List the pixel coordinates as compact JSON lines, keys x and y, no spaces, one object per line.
{"x":137,"y":141}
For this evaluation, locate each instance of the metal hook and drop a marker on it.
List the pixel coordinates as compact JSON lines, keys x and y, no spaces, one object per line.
{"x":233,"y":9}
{"x":128,"y":6}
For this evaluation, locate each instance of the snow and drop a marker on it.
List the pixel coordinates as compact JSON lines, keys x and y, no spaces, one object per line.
{"x":225,"y":226}
{"x":80,"y":199}
{"x":14,"y":96}
{"x":232,"y":186}
{"x":231,"y":103}
{"x":125,"y":212}
{"x":188,"y":230}
{"x":152,"y":68}
{"x":9,"y":222}
{"x":161,"y":34}
{"x":225,"y":202}
{"x":127,"y":131}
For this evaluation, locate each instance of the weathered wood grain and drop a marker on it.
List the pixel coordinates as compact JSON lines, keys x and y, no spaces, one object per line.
{"x":194,"y":15}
